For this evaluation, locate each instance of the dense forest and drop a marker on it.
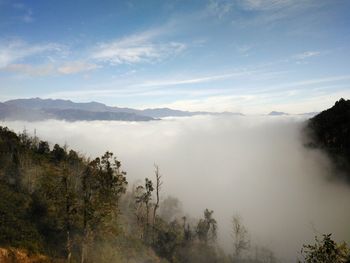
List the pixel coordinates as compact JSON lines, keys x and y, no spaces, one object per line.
{"x":57,"y":203}
{"x":330,"y":131}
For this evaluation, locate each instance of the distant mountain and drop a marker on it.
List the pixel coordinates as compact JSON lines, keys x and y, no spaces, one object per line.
{"x":38,"y":109}
{"x":277,"y":113}
{"x":166,"y":112}
{"x":84,"y":115}
{"x":37,"y":103}
{"x":330,"y":131}
{"x":309,"y":114}
{"x":12,"y":112}
{"x":281,"y":113}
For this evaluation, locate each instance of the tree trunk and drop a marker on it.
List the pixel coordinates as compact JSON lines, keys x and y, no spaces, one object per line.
{"x":69,"y":247}
{"x":156,"y":206}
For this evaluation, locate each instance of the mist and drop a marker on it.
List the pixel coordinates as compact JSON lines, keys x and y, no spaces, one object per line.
{"x":256,"y":167}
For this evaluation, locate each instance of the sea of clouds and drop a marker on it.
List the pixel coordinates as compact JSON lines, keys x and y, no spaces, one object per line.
{"x":254,"y":166}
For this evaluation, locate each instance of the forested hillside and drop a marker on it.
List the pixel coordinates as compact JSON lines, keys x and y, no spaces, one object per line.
{"x":330,"y":131}
{"x":58,"y":203}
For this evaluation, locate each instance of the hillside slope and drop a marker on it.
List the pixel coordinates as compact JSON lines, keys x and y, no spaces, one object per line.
{"x":330,"y":131}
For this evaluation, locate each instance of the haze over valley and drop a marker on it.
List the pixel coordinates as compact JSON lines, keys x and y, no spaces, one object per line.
{"x":175,"y":131}
{"x":253,"y":166}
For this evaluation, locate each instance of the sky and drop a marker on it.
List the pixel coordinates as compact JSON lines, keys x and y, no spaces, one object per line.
{"x":249,"y":56}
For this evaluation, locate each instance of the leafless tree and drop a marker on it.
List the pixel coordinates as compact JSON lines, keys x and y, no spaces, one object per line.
{"x":158,"y":186}
{"x":240,"y":237}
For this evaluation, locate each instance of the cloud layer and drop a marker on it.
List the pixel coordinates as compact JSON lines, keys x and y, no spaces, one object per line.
{"x":136,"y":49}
{"x":254,"y":166}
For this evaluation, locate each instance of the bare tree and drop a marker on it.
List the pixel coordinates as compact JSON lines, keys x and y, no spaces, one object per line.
{"x":240,"y":237}
{"x":158,"y":185}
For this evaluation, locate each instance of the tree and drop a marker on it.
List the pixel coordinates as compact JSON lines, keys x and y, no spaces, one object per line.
{"x":111,"y":185}
{"x":240,"y":237}
{"x":144,"y":196}
{"x":325,"y":251}
{"x":207,"y":227}
{"x":58,"y":153}
{"x":158,"y":185}
{"x":69,"y":209}
{"x":156,"y":205}
{"x":168,"y":239}
{"x":102,"y":184}
{"x":88,"y":207}
{"x":43,"y":147}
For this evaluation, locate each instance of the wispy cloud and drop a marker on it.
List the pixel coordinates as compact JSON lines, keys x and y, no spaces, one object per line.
{"x":307,"y":54}
{"x":219,"y":8}
{"x":257,"y":103}
{"x":27,"y":13}
{"x":76,"y":67}
{"x":136,"y":48}
{"x":27,"y":69}
{"x":17,"y":50}
{"x":17,"y":56}
{"x":244,"y":50}
{"x":267,"y":5}
{"x":267,"y":12}
{"x":174,"y":82}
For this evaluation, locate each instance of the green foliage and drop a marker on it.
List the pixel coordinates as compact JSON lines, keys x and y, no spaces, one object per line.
{"x":326,"y":251}
{"x":43,"y":147}
{"x":168,"y":239}
{"x":16,"y":227}
{"x":52,"y":200}
{"x":207,"y":227}
{"x":330,"y":130}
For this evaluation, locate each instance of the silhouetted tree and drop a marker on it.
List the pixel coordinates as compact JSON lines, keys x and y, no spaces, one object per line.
{"x":240,"y":237}
{"x":207,"y":227}
{"x":325,"y":251}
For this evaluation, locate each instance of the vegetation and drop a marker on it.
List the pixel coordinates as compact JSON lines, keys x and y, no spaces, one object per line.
{"x":58,"y":203}
{"x":326,"y":251}
{"x":330,"y":131}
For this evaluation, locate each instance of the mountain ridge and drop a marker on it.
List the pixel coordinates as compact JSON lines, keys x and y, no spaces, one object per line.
{"x":75,"y":111}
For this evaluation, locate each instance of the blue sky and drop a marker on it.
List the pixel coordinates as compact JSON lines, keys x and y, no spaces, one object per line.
{"x":251,"y":56}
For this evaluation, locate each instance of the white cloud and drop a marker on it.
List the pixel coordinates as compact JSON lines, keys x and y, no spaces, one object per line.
{"x":31,"y":70}
{"x":264,"y":5}
{"x":307,"y":54}
{"x":16,"y":56}
{"x":219,"y":8}
{"x":268,"y":12}
{"x":136,"y":49}
{"x":76,"y":67}
{"x":258,"y":103}
{"x":15,"y":51}
{"x":67,"y":68}
{"x":203,"y":79}
{"x":211,"y":103}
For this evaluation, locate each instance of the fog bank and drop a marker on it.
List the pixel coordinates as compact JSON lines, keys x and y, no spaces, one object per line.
{"x":254,"y":166}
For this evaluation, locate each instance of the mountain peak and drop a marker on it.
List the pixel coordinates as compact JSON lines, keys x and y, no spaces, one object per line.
{"x":277,"y":113}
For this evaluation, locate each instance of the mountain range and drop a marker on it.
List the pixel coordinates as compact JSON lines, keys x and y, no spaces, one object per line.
{"x":36,"y":109}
